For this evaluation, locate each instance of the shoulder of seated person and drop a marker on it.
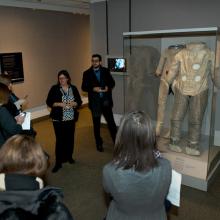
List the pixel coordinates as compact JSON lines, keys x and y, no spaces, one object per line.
{"x":3,"y":108}
{"x":109,"y":166}
{"x":163,"y":161}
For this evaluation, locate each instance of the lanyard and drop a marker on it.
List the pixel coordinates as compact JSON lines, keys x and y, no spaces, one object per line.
{"x":65,"y":93}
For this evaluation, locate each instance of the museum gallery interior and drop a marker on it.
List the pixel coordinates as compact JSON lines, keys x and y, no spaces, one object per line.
{"x":164,"y":57}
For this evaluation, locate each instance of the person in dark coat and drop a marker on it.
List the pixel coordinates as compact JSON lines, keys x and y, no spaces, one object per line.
{"x":15,"y":104}
{"x":22,"y":192}
{"x":64,"y":99}
{"x":98,"y":82}
{"x":9,"y":125}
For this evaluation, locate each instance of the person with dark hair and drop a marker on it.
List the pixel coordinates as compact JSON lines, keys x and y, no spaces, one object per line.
{"x":137,"y":179}
{"x":9,"y":125}
{"x":14,"y":105}
{"x":22,"y":193}
{"x":64,"y":99}
{"x":98,"y":82}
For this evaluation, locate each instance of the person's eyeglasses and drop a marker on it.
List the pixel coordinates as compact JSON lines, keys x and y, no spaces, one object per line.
{"x":95,"y":61}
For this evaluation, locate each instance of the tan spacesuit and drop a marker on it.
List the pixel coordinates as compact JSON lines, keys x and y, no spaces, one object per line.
{"x":163,"y":69}
{"x":189,"y":74}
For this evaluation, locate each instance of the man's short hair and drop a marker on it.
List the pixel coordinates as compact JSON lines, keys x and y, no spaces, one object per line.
{"x":98,"y":56}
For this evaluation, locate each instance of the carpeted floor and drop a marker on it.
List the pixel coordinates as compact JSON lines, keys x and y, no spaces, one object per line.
{"x":82,"y":182}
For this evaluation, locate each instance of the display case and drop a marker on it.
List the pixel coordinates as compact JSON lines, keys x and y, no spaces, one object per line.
{"x":174,"y":76}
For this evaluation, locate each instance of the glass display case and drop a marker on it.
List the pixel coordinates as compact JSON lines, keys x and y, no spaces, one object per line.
{"x":174,"y":76}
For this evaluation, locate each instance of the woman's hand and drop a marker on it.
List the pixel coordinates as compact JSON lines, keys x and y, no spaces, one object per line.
{"x":59,"y":104}
{"x":72,"y":104}
{"x":65,"y":105}
{"x":19,"y":119}
{"x":99,"y":89}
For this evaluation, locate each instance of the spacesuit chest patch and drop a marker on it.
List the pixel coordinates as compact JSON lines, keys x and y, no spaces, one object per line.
{"x":196,"y":66}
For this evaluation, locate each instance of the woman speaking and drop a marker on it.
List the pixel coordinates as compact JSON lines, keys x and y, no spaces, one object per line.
{"x":63,"y":99}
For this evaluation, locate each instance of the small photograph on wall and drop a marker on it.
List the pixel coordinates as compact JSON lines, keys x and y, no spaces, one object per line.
{"x":12,"y":64}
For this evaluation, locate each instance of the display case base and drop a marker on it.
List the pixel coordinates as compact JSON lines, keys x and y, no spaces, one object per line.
{"x":197,"y":171}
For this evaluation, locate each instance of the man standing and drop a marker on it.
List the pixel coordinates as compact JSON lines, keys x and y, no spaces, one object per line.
{"x":98,"y":82}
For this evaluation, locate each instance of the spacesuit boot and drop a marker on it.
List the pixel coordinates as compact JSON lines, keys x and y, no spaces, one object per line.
{"x":174,"y":146}
{"x":192,"y":149}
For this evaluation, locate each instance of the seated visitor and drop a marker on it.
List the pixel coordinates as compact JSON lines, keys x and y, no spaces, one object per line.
{"x":15,"y":104}
{"x":9,"y":125}
{"x":137,"y":179}
{"x":22,"y":193}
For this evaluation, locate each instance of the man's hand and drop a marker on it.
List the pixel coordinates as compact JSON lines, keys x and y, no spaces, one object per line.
{"x":97,"y":89}
{"x":106,"y":89}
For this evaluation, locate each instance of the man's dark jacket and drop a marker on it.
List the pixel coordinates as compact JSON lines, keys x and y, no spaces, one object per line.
{"x":90,"y":81}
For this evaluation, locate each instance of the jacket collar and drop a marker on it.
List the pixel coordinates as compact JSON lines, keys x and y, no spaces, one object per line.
{"x":20,"y":182}
{"x":29,"y":200}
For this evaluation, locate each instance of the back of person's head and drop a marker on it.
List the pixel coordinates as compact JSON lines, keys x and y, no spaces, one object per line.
{"x":22,"y":155}
{"x":5,"y":79}
{"x":135,"y":142}
{"x":64,"y":73}
{"x":4,"y":94}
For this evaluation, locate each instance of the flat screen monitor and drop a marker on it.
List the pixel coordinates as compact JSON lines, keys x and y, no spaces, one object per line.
{"x":117,"y":64}
{"x":12,"y":63}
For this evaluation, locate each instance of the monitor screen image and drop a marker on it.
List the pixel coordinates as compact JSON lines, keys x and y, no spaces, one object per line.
{"x":12,"y":64}
{"x":117,"y":64}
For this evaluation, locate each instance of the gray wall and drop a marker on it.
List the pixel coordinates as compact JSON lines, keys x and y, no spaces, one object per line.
{"x":148,"y":15}
{"x":49,"y":41}
{"x":172,"y":14}
{"x":98,"y":28}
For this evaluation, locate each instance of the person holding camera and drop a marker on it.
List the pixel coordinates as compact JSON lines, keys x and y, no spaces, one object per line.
{"x":98,"y":82}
